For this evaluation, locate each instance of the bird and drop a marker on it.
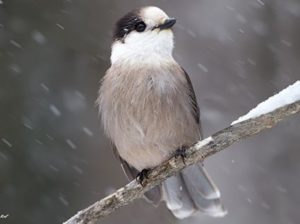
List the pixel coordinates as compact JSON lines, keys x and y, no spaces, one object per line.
{"x":149,"y":111}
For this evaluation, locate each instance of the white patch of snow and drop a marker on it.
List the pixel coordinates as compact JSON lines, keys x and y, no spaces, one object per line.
{"x":289,"y":95}
{"x":204,"y":142}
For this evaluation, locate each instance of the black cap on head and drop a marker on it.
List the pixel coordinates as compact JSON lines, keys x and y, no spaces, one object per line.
{"x":126,"y":24}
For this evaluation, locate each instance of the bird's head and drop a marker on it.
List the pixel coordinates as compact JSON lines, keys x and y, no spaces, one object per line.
{"x":143,"y":33}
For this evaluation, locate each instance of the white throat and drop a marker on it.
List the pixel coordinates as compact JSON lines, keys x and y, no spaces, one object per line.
{"x":144,"y":47}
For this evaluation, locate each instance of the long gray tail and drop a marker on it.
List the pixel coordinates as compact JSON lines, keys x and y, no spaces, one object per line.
{"x":190,"y":191}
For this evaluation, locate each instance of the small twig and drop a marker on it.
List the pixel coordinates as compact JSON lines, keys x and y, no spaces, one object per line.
{"x":196,"y":153}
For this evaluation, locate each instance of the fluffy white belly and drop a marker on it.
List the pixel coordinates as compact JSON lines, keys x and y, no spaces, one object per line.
{"x":147,"y":114}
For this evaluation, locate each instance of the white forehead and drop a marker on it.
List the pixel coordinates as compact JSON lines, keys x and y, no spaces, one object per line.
{"x":153,"y":15}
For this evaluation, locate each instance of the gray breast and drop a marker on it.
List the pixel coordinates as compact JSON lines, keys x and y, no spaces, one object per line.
{"x":147,"y":112}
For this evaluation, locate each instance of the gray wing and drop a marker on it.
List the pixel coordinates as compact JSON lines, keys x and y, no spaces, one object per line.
{"x":154,"y":195}
{"x":193,"y":99}
{"x":130,"y":171}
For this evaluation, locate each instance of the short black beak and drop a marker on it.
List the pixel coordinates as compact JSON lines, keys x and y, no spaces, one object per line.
{"x":167,"y":24}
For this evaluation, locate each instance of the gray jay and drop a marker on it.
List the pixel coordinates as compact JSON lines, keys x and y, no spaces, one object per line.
{"x":149,"y":111}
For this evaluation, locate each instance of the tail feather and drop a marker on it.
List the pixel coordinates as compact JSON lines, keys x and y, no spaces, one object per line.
{"x":190,"y":191}
{"x":199,"y":180}
{"x":177,"y":198}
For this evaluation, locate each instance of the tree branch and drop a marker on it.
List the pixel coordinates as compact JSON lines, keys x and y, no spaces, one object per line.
{"x":196,"y":153}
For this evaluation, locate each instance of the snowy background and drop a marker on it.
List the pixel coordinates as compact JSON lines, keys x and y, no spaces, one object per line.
{"x":54,"y":159}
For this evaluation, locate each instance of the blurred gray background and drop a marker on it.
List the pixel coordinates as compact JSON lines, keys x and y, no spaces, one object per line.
{"x":54,"y":158}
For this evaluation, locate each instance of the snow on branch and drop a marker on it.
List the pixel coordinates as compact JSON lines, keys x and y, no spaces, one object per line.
{"x":265,"y":116}
{"x":287,"y":96}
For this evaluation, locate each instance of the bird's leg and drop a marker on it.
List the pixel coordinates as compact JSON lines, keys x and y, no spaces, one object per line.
{"x":181,"y":152}
{"x":141,"y":176}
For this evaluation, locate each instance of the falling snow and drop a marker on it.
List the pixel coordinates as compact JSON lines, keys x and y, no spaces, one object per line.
{"x":78,"y":169}
{"x":6,"y":142}
{"x":74,"y":101}
{"x":38,"y":141}
{"x":49,"y":137}
{"x":265,"y":205}
{"x":50,"y":73}
{"x":87,"y":131}
{"x":251,"y":61}
{"x":15,"y":43}
{"x":15,"y":68}
{"x":60,"y":26}
{"x":55,"y":110}
{"x":202,"y":67}
{"x":63,"y":200}
{"x":241,"y":18}
{"x":286,"y":43}
{"x":3,"y":156}
{"x":46,"y":88}
{"x":53,"y":168}
{"x":281,"y":189}
{"x":261,"y":2}
{"x":71,"y":143}
{"x":38,"y":37}
{"x":27,"y":123}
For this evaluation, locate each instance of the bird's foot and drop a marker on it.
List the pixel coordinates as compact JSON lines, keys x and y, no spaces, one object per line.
{"x":142,"y":176}
{"x":181,"y":152}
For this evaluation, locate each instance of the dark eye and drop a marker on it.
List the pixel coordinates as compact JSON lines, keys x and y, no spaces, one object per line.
{"x":140,"y":26}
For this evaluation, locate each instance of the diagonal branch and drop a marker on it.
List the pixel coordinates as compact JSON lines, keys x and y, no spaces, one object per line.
{"x":196,"y":153}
